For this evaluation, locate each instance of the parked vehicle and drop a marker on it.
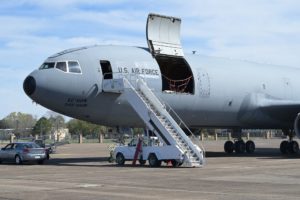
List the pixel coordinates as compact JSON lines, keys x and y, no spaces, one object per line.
{"x":50,"y":148}
{"x":151,"y":150}
{"x":20,"y":152}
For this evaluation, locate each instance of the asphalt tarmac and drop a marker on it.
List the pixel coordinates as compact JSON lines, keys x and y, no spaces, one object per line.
{"x":81,"y":171}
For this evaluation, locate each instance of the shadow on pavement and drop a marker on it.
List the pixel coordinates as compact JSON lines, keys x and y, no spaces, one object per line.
{"x":260,"y":153}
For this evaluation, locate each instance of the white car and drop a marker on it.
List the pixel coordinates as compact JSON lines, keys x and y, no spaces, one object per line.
{"x":152,"y":150}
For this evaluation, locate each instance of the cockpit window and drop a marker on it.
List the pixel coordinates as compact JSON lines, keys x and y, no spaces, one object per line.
{"x":65,"y":66}
{"x":74,"y":67}
{"x":47,"y":65}
{"x":62,"y":66}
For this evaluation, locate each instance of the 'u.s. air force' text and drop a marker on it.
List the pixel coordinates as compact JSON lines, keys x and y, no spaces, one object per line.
{"x":138,"y":71}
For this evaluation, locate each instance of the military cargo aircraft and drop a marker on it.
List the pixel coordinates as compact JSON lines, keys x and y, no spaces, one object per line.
{"x":84,"y":83}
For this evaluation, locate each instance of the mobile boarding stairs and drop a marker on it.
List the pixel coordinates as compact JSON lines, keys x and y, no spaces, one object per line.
{"x":156,"y":117}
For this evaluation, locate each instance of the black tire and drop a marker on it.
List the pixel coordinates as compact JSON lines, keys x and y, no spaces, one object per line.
{"x":293,"y":147}
{"x":18,"y":160}
{"x":175,"y":163}
{"x":250,"y":146}
{"x":0,"y":161}
{"x":240,"y":146}
{"x":40,"y":162}
{"x":284,"y":147}
{"x":153,"y":161}
{"x":228,"y":147}
{"x":120,"y":160}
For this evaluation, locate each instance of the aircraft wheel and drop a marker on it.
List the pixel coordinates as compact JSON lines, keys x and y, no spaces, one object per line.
{"x":228,"y":146}
{"x":120,"y":160}
{"x":284,"y":147}
{"x":240,"y":146}
{"x":250,"y":146}
{"x":293,"y":147}
{"x":153,"y":161}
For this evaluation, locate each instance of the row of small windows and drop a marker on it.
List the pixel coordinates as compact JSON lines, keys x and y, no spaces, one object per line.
{"x":69,"y":66}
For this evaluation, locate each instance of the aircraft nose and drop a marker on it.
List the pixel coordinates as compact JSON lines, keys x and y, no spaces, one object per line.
{"x":29,"y":85}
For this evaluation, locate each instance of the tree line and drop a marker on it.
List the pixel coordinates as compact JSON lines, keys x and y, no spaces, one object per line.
{"x":23,"y":125}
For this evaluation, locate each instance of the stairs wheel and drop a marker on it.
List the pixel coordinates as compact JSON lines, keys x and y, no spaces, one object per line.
{"x":175,"y":163}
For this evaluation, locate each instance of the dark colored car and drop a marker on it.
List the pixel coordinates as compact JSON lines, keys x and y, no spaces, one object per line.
{"x":20,"y":152}
{"x":50,"y":148}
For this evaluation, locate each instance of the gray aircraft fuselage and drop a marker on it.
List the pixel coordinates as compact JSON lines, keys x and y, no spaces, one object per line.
{"x":227,"y":93}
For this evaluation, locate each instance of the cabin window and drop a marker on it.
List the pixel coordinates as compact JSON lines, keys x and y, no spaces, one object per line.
{"x":74,"y":67}
{"x":106,"y":69}
{"x":61,"y":66}
{"x":47,"y":65}
{"x":176,"y":74}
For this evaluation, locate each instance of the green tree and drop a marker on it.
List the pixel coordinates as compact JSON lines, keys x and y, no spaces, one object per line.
{"x":2,"y":124}
{"x":20,"y":122}
{"x":85,"y":128}
{"x":42,"y":127}
{"x":57,"y":122}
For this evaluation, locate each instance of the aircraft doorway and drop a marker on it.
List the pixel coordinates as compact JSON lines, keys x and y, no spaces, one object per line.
{"x":163,"y":37}
{"x":176,"y":74}
{"x":106,"y":69}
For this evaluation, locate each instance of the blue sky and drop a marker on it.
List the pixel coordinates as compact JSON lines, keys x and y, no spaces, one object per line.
{"x":266,"y":31}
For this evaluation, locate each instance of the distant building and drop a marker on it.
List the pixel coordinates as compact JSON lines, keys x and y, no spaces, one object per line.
{"x":60,"y":134}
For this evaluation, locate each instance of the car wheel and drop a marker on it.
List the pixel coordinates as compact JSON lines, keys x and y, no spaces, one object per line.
{"x":120,"y":160}
{"x":153,"y":161}
{"x":18,"y":160}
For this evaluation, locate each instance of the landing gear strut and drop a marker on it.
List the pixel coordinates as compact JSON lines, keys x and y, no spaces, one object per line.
{"x":289,"y":146}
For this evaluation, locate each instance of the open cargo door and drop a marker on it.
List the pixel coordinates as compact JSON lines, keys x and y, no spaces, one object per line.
{"x":163,"y":35}
{"x":163,"y":38}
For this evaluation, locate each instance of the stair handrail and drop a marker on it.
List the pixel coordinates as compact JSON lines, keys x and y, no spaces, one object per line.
{"x":192,"y":135}
{"x":162,"y":103}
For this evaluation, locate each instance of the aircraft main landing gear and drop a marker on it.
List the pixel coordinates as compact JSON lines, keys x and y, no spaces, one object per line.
{"x":239,"y":146}
{"x":289,"y":146}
